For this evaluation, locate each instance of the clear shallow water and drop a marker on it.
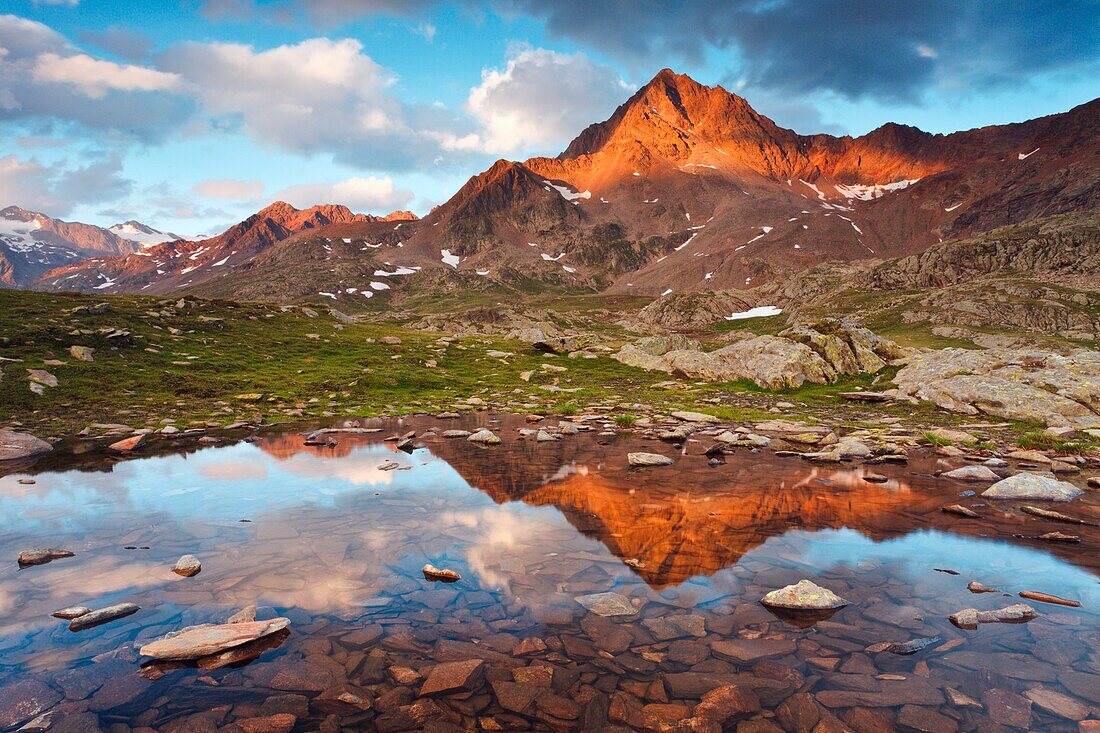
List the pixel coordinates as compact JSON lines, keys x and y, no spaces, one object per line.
{"x":336,"y":544}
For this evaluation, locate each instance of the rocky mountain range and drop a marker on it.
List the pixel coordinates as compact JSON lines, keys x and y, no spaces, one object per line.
{"x":242,"y":249}
{"x":32,"y":243}
{"x":684,"y":188}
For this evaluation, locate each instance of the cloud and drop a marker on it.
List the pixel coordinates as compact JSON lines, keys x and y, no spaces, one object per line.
{"x":95,"y":77}
{"x":885,"y":49}
{"x":541,"y":99}
{"x":43,"y":77}
{"x":229,"y":189}
{"x":888,"y":50}
{"x":316,"y":96}
{"x":122,"y":42}
{"x":57,"y":188}
{"x":359,"y":194}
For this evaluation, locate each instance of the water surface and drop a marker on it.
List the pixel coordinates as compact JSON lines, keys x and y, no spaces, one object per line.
{"x":334,"y":538}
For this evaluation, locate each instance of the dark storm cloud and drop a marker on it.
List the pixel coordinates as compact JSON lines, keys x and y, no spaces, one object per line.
{"x":884,"y":49}
{"x":889,"y":49}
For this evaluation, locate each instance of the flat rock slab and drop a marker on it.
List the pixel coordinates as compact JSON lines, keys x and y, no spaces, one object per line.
{"x":972,"y":473}
{"x":969,"y":618}
{"x":1058,"y":704}
{"x":24,"y":700}
{"x":201,"y":641}
{"x":1033,"y":487}
{"x":14,"y":446}
{"x":750,"y":650}
{"x":70,"y":612}
{"x":688,"y":416}
{"x":453,"y":677}
{"x":607,"y":604}
{"x":648,"y":459}
{"x":42,"y":556}
{"x":102,"y":616}
{"x":804,"y":596}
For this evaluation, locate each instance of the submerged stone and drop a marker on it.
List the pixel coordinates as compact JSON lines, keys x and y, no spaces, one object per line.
{"x":607,"y":604}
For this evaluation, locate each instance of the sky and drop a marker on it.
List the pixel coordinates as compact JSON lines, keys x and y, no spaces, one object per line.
{"x":189,"y":116}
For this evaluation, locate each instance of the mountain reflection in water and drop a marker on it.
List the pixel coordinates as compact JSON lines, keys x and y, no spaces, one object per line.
{"x":335,"y":537}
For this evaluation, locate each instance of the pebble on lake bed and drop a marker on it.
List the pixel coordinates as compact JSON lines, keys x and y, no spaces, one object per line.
{"x":187,"y":566}
{"x":431,"y":572}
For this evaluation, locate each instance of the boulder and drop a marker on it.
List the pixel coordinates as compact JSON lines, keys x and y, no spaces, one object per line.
{"x":15,"y":446}
{"x":1032,"y":486}
{"x":804,"y":596}
{"x":776,"y":363}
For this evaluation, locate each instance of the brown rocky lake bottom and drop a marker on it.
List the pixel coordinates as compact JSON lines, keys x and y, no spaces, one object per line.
{"x":333,"y":538}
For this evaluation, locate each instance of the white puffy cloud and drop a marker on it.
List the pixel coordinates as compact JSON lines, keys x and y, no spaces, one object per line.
{"x":95,"y":77}
{"x":229,"y":189}
{"x":317,"y":96}
{"x":539,"y":101}
{"x":359,"y":194}
{"x":44,"y":77}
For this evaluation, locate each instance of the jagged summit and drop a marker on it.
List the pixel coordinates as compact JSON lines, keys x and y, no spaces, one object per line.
{"x":685,"y":187}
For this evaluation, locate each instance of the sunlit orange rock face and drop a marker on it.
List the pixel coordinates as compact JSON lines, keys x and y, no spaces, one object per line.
{"x":683,"y":179}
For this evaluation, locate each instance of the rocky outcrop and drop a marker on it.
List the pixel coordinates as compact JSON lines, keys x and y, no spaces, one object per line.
{"x":1015,"y":384}
{"x":1068,"y":244}
{"x":818,"y":353}
{"x":692,"y":310}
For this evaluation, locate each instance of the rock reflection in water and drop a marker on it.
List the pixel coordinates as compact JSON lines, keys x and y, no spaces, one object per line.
{"x":336,"y":544}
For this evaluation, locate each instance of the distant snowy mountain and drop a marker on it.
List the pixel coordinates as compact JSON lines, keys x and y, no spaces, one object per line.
{"x":143,"y":234}
{"x":32,"y":243}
